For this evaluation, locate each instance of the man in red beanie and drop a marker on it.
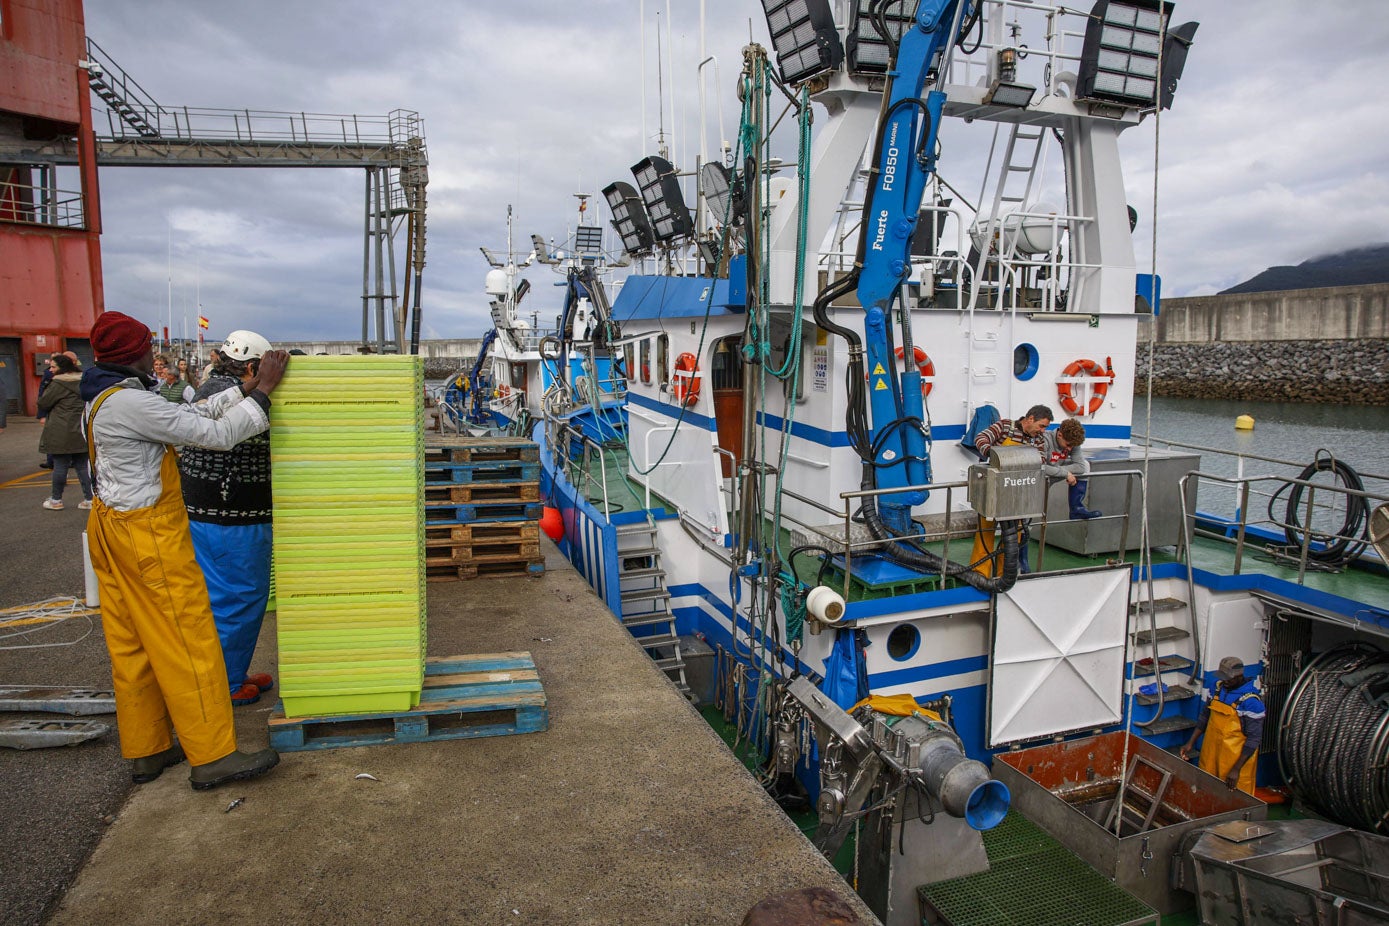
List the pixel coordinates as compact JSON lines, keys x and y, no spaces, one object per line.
{"x":166,"y":661}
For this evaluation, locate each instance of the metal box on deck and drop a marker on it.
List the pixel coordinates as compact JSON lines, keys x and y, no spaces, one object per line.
{"x":1069,"y":790}
{"x":1009,"y":486}
{"x":1113,"y":495}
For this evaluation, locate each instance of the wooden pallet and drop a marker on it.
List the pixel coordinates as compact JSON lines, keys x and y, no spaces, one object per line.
{"x":446,"y":449}
{"x":481,"y":493}
{"x":463,"y":697}
{"x":482,"y":532}
{"x":507,"y":471}
{"x":452,"y":572}
{"x":490,"y":511}
{"x":443,"y":552}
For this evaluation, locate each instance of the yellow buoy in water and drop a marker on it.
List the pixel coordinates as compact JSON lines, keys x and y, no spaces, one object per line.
{"x":1244,"y":423}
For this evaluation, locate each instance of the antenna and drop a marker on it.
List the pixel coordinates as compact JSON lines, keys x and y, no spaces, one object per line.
{"x":660,"y":95}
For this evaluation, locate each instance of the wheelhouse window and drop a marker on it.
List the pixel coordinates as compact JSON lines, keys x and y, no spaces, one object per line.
{"x":645,"y":349}
{"x":663,"y":358}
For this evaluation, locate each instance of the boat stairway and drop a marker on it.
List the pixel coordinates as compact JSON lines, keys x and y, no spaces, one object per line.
{"x":1161,"y":658}
{"x":646,"y":600}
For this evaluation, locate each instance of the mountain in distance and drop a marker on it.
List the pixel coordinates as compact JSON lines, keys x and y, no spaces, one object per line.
{"x":1356,"y":267}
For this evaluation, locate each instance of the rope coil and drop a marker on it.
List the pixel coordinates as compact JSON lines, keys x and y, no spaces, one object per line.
{"x":1334,"y":736}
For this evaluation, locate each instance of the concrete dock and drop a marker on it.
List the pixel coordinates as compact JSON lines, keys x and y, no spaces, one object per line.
{"x":628,"y":809}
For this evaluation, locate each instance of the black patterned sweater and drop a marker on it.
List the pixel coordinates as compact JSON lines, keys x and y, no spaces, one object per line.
{"x":227,"y":486}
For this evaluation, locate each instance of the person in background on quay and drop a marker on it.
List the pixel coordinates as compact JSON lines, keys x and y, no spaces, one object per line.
{"x":50,"y":369}
{"x":62,"y":437}
{"x":172,"y":386}
{"x":166,"y":661}
{"x":1061,"y":459}
{"x":1232,"y":721}
{"x":227,"y":494}
{"x":186,"y":374}
{"x":1003,"y":433}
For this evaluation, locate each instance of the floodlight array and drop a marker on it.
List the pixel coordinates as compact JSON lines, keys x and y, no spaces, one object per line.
{"x":629,"y":218}
{"x":1119,"y":62}
{"x":660,"y":191}
{"x":804,"y":37}
{"x":588,"y":240}
{"x":868,"y":51}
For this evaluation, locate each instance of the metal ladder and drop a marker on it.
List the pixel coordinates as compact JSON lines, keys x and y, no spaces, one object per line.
{"x":646,"y":600}
{"x":121,"y":93}
{"x":1020,"y":156}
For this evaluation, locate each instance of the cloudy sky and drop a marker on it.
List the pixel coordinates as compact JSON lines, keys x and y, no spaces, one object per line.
{"x":1276,"y":151}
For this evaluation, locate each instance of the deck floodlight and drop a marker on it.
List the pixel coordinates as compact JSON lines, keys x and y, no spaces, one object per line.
{"x":1006,"y":89}
{"x":804,"y":36}
{"x":588,"y":240}
{"x":629,"y":218}
{"x":1124,"y":40}
{"x":868,"y":51}
{"x":660,"y":191}
{"x":714,"y":186}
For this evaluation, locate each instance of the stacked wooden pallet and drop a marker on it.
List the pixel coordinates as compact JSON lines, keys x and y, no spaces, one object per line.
{"x":345,"y":449}
{"x":482,"y":508}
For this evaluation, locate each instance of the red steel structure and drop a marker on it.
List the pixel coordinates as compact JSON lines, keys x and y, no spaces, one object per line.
{"x":50,"y":245}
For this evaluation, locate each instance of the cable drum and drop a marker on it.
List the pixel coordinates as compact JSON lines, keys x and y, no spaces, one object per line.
{"x":1334,"y":736}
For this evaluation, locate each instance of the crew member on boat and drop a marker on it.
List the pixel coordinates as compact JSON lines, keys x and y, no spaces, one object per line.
{"x":1232,"y":720}
{"x":1029,"y":429}
{"x":1061,"y":459}
{"x":166,"y":661}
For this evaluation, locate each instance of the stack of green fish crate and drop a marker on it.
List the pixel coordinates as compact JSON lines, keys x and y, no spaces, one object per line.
{"x":346,"y":450}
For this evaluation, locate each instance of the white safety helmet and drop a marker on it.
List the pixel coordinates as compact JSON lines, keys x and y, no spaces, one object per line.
{"x":244,"y":345}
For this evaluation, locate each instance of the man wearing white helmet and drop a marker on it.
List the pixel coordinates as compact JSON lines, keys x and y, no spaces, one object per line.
{"x":227,"y":494}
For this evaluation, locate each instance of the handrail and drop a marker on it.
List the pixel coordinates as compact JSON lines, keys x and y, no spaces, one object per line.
{"x":1243,"y":522}
{"x":1242,"y":456}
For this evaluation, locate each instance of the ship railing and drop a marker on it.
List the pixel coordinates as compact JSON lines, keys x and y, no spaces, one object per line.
{"x":30,"y":204}
{"x":1049,"y":59}
{"x":1265,"y":489}
{"x":1310,"y":538}
{"x":580,"y":472}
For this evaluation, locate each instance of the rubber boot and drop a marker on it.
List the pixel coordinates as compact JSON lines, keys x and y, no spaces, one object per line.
{"x":262,"y":680}
{"x":234,"y":767}
{"x":147,"y":768}
{"x":1076,"y":497}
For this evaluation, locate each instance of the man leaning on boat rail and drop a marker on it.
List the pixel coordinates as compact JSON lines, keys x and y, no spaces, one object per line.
{"x":166,"y":661}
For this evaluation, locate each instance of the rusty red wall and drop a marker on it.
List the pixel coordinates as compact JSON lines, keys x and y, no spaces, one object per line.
{"x":50,"y":278}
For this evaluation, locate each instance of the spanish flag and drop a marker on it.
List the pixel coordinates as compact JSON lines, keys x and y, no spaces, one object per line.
{"x":202,"y":321}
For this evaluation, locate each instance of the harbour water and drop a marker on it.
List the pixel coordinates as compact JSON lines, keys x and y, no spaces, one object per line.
{"x":1292,"y":432}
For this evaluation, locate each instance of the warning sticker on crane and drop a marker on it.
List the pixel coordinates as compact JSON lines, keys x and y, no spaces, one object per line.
{"x":881,"y":385}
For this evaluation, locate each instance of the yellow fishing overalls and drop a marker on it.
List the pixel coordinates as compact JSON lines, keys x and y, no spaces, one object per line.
{"x":166,"y":660}
{"x":1224,"y":741}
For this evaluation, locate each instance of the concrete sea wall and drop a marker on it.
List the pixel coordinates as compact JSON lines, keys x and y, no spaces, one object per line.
{"x":1313,"y":345}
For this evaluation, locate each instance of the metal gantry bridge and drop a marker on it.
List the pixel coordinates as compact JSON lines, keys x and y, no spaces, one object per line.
{"x":140,"y":132}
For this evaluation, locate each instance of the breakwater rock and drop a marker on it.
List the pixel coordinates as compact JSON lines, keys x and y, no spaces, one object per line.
{"x":1337,"y":372}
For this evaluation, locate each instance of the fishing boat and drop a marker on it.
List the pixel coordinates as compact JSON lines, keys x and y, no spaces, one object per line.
{"x":763,"y":444}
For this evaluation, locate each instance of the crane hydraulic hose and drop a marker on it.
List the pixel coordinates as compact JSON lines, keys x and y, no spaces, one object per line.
{"x":913,"y":557}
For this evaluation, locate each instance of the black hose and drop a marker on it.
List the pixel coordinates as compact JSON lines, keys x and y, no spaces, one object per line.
{"x":1333,"y":744}
{"x":1346,"y":542}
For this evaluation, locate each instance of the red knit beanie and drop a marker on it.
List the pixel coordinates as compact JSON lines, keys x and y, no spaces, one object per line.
{"x":119,"y":339}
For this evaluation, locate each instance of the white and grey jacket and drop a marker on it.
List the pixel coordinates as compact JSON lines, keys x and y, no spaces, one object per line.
{"x":1056,"y":463}
{"x":133,"y":427}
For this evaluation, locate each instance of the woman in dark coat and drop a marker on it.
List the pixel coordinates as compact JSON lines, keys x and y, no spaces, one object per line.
{"x":62,"y":432}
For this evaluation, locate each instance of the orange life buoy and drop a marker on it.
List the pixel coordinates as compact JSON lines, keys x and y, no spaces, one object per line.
{"x":1086,"y":367}
{"x":686,"y":379}
{"x":503,"y":392}
{"x":924,"y":366}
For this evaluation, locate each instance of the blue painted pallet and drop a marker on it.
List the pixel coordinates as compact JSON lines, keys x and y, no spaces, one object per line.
{"x":463,"y":697}
{"x":447,"y":449}
{"x":493,"y":471}
{"x":498,"y":511}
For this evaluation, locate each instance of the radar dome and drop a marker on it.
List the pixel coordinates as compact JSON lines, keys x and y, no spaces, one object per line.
{"x":496,"y":284}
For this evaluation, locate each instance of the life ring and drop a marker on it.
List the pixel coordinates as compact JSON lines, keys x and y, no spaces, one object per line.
{"x":1086,"y":367}
{"x":503,"y":392}
{"x":685,"y":383}
{"x":924,"y":366}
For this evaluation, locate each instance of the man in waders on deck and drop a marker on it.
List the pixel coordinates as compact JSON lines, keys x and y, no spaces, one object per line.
{"x":166,"y":661}
{"x":1232,"y":720}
